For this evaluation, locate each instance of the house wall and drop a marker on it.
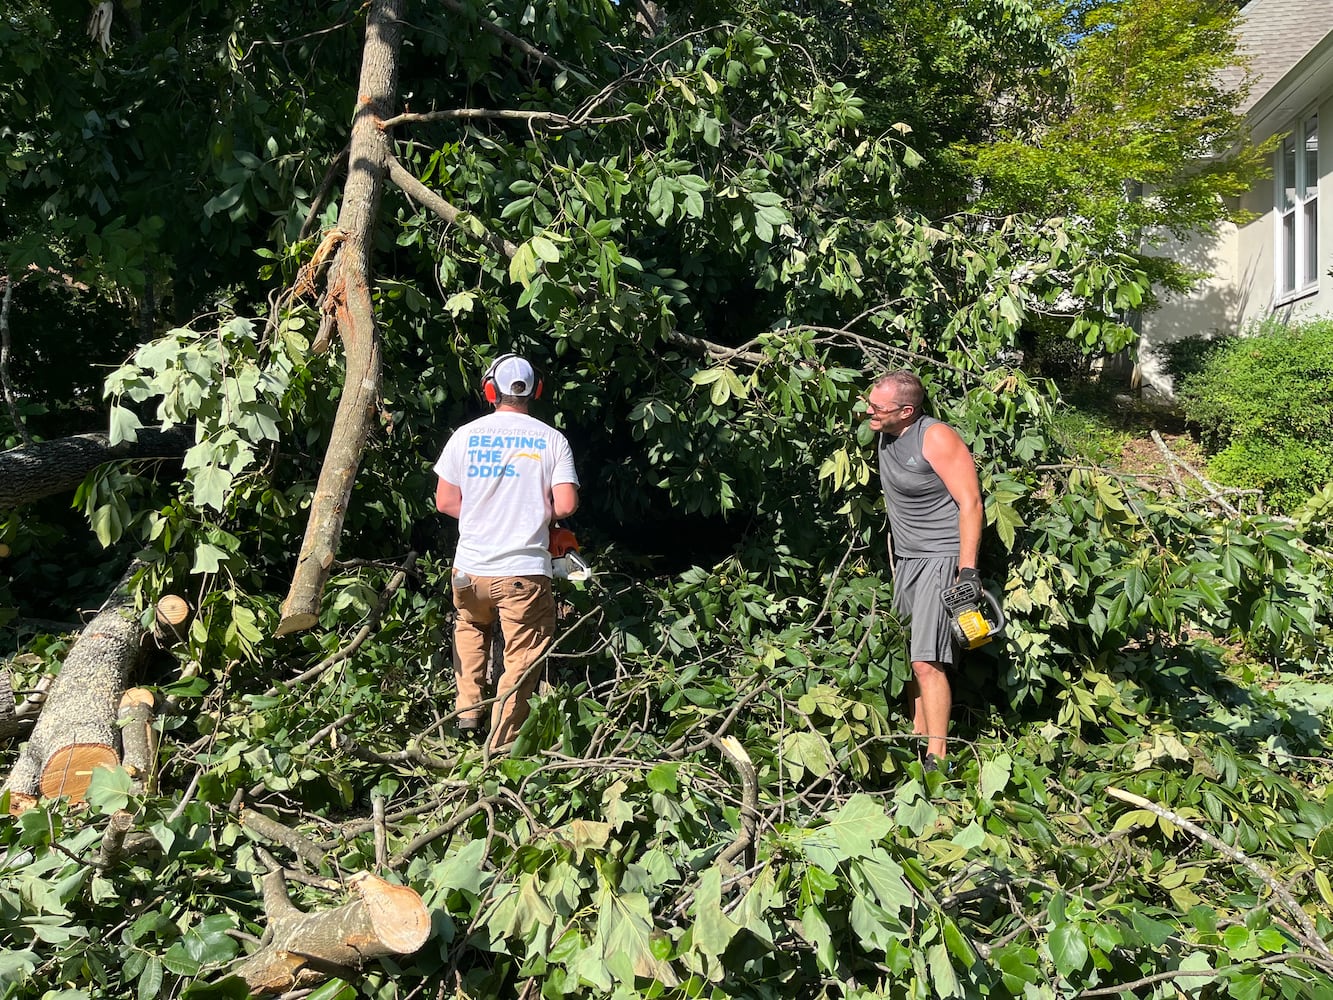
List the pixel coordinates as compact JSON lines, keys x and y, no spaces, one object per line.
{"x":1242,"y":262}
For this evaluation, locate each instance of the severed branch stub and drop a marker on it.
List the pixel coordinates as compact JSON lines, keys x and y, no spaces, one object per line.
{"x":744,"y":843}
{"x":303,"y":949}
{"x":171,"y":617}
{"x":138,"y":739}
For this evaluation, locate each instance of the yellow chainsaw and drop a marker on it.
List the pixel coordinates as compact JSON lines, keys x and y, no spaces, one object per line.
{"x":975,"y":617}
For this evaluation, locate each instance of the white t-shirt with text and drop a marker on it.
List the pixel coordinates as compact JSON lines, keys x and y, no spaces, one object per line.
{"x":505,"y":464}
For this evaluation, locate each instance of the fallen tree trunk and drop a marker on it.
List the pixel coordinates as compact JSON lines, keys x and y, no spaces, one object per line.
{"x":302,"y":949}
{"x":47,"y":468}
{"x":77,"y":730}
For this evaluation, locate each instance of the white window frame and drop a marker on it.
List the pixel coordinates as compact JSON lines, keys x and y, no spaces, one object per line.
{"x":1296,"y":237}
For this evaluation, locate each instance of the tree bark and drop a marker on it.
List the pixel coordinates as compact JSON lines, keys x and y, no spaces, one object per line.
{"x":77,"y":729}
{"x":36,"y":471}
{"x":302,"y":949}
{"x":138,"y":739}
{"x":348,"y":298}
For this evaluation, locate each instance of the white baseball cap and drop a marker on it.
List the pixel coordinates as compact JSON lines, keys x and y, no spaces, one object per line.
{"x":513,"y":376}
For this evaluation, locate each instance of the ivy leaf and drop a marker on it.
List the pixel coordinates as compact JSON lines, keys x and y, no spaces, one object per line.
{"x":1069,"y":950}
{"x":713,"y":929}
{"x":995,"y":775}
{"x":125,"y":425}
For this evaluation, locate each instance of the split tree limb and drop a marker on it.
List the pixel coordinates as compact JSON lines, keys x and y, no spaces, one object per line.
{"x":303,"y":949}
{"x":349,"y":294}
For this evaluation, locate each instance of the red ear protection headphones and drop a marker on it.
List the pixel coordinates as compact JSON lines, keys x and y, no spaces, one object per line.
{"x":492,"y":392}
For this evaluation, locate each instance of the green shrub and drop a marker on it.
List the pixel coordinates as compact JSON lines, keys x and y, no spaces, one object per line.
{"x":1265,"y":412}
{"x":1185,"y":358}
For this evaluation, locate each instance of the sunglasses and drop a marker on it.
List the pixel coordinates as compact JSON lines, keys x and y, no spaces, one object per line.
{"x":877,"y":410}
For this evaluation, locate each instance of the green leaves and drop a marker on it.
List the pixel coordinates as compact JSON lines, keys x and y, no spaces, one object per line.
{"x":725,"y":384}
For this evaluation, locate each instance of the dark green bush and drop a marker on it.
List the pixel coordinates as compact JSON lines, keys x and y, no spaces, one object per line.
{"x":1264,"y":410}
{"x":1183,"y":359}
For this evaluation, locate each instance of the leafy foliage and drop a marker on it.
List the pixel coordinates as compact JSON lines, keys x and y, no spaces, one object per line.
{"x":714,"y":245}
{"x":1262,"y":407}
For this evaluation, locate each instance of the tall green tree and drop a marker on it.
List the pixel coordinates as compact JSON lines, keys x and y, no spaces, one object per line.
{"x":1148,"y":141}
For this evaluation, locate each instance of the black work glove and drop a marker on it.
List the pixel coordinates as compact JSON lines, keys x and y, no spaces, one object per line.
{"x":969,"y":575}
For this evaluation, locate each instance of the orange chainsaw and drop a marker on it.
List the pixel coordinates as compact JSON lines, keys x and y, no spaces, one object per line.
{"x":566,"y":563}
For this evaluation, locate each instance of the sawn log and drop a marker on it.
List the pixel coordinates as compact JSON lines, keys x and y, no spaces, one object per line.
{"x":301,"y":949}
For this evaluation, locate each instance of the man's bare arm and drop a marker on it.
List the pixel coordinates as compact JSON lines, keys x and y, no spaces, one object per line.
{"x":948,"y":455}
{"x":565,"y":500}
{"x":448,"y":498}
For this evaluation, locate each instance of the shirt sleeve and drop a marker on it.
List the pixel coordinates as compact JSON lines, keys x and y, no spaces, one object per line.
{"x":449,"y":466}
{"x":564,"y":464}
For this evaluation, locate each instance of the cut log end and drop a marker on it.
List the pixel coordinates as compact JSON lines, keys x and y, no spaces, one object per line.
{"x":69,"y":771}
{"x":20,"y":802}
{"x":397,"y":914}
{"x":299,"y":622}
{"x":135,"y":697}
{"x":172,"y":611}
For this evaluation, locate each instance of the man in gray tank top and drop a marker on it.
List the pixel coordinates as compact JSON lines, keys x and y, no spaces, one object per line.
{"x":934,"y":507}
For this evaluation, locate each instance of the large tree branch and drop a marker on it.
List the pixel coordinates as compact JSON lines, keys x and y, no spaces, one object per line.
{"x":36,"y":471}
{"x":551,"y":119}
{"x":349,"y":297}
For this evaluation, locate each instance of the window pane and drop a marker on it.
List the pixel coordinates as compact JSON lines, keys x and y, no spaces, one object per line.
{"x":1310,"y":265}
{"x":1310,"y":182}
{"x":1289,"y":252}
{"x":1288,"y":174}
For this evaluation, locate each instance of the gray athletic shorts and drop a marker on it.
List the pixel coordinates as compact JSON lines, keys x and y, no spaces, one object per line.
{"x":917,"y":585}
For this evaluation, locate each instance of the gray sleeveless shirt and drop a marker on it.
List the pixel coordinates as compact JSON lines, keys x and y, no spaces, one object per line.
{"x":923,"y":515}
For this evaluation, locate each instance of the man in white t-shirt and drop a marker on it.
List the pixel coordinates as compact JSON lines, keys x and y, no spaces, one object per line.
{"x":505,"y":476}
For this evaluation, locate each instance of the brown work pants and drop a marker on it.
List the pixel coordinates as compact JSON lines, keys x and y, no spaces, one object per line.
{"x":524,"y":607}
